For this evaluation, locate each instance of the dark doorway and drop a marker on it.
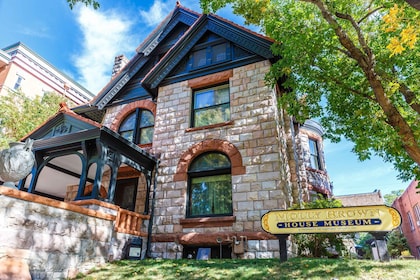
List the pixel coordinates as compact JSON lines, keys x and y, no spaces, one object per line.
{"x":125,"y":193}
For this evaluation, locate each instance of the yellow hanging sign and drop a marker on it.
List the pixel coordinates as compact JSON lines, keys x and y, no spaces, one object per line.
{"x":332,"y":220}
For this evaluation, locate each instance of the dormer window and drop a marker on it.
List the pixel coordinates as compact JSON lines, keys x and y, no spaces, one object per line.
{"x":206,"y":54}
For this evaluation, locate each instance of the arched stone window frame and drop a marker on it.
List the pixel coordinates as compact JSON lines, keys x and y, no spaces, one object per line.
{"x":211,"y":145}
{"x":129,"y":109}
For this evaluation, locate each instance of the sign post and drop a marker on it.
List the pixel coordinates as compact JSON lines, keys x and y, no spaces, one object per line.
{"x":283,"y":246}
{"x":379,"y":218}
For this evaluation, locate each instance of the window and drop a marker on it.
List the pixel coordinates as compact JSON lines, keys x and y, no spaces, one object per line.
{"x":314,"y":154}
{"x":417,"y":213}
{"x":138,"y":127}
{"x":125,"y":193}
{"x":18,"y":83}
{"x":410,"y":220}
{"x":211,"y":106}
{"x":211,"y":54}
{"x":210,"y":186}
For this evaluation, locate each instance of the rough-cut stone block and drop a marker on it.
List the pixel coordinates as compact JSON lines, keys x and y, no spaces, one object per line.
{"x":14,"y":269}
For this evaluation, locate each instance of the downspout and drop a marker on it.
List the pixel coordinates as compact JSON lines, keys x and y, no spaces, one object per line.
{"x":152,"y":211}
{"x":296,"y":158}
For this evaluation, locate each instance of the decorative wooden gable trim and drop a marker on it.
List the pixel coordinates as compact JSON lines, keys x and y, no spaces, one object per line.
{"x":63,"y":123}
{"x":144,"y":55}
{"x":180,"y":14}
{"x":246,"y":39}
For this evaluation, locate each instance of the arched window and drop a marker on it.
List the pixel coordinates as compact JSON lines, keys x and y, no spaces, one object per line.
{"x":138,"y":127}
{"x":210,"y":186}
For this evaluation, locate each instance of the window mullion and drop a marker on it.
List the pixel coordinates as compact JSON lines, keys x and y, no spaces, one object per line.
{"x":137,"y":127}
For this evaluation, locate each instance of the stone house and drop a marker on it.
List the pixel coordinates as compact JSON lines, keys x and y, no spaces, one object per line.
{"x":188,"y":135}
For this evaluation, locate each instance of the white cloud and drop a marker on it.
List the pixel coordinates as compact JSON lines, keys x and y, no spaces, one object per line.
{"x":106,"y":34}
{"x":157,"y":12}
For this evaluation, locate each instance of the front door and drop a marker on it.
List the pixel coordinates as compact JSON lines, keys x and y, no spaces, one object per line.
{"x":126,"y":193}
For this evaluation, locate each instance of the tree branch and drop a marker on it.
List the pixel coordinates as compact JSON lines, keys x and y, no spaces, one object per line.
{"x":409,"y":97}
{"x":369,"y":14}
{"x":366,"y":63}
{"x":360,"y":37}
{"x":324,"y":76}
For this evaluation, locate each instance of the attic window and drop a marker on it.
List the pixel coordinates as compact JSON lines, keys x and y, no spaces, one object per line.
{"x":210,"y":54}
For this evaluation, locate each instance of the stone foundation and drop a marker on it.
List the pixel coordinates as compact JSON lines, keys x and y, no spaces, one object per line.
{"x":53,"y":239}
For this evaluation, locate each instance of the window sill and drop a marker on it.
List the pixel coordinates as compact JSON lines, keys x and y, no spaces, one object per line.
{"x":148,"y":145}
{"x":209,"y":126}
{"x":316,"y":170}
{"x":208,"y":222}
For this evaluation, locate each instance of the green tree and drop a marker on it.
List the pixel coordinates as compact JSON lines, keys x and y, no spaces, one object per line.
{"x":319,"y":244}
{"x":20,"y":114}
{"x":340,"y":66}
{"x":93,"y":3}
{"x":390,"y":197}
{"x":365,"y":241}
{"x":396,"y":243}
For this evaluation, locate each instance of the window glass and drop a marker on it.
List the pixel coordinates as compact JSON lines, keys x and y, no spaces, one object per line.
{"x":211,"y":106}
{"x":209,"y":162}
{"x":199,"y":58}
{"x":127,"y":127}
{"x":210,"y":189}
{"x":125,"y":193}
{"x":147,"y":119}
{"x":211,"y":195}
{"x":18,"y":83}
{"x":417,"y":212}
{"x":138,"y":127}
{"x":219,"y":53}
{"x":410,"y":220}
{"x":314,"y":157}
{"x":146,"y":135}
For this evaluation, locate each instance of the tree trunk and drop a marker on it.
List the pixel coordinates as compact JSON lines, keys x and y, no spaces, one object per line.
{"x":366,"y":62}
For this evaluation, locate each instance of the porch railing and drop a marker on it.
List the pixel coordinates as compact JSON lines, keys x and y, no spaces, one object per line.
{"x":130,"y":222}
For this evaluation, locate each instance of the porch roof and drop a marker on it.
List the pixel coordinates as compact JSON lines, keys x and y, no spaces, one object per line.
{"x":105,"y":136}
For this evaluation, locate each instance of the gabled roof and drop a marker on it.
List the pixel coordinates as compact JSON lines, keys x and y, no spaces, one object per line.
{"x":198,"y":24}
{"x":67,"y":128}
{"x":234,"y":33}
{"x":179,"y":14}
{"x":63,"y":122}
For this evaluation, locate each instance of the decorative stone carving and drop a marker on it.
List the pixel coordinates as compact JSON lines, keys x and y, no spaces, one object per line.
{"x":16,"y":162}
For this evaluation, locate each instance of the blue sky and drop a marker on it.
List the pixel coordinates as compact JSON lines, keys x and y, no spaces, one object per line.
{"x":83,"y":43}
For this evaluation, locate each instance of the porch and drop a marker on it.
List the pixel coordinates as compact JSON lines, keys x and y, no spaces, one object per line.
{"x":53,"y":237}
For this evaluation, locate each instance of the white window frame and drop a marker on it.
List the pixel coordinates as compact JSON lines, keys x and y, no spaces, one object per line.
{"x":410,"y":220}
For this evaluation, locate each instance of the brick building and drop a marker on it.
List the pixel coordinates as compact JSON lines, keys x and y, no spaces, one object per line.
{"x":23,"y":69}
{"x":189,"y":133}
{"x":408,"y":204}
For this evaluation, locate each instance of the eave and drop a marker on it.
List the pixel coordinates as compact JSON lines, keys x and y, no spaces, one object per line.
{"x":246,"y":39}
